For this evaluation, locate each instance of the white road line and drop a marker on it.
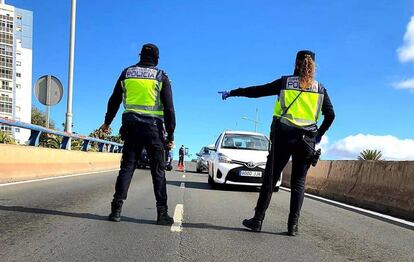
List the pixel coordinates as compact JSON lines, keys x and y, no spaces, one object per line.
{"x":401,"y":221}
{"x":182,"y":185}
{"x":183,"y":176}
{"x":178,"y":218}
{"x":55,"y":177}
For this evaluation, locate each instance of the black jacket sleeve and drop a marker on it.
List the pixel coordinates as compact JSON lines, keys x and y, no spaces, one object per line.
{"x":169,"y":112}
{"x":328,"y":114}
{"x":269,"y":89}
{"x":115,"y":100}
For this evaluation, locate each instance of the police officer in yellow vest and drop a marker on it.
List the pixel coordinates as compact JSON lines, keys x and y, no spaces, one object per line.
{"x":294,"y":133}
{"x":148,"y":105}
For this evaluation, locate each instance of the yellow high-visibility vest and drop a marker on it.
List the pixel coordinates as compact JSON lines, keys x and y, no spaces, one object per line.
{"x":305,"y":111}
{"x":142,"y":88}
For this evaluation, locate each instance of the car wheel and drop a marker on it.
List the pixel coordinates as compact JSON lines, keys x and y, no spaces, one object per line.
{"x":276,"y":189}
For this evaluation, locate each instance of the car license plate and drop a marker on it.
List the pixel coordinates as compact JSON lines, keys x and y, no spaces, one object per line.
{"x":251,"y":173}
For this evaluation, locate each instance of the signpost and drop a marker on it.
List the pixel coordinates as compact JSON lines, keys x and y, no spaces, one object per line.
{"x":49,"y":92}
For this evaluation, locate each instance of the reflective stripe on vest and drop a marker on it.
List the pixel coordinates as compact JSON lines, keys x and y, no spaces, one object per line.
{"x":305,"y":110}
{"x":142,"y":88}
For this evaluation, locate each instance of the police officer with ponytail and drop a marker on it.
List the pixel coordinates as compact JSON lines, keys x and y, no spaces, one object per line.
{"x":148,"y":105}
{"x":294,"y":133}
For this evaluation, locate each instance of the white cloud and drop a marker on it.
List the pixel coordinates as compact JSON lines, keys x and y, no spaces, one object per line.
{"x":392,"y":148}
{"x":323,"y":145}
{"x":406,"y":51}
{"x":405,"y":84}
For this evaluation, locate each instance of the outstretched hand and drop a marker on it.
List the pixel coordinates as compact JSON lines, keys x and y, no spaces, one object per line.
{"x":105,"y":128}
{"x":224,"y":94}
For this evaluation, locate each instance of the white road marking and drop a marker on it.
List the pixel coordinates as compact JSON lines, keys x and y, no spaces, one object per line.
{"x":178,"y":218}
{"x":401,"y":221}
{"x":182,"y":185}
{"x":56,"y":177}
{"x":183,"y":176}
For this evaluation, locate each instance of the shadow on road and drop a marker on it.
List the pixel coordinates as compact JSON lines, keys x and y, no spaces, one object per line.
{"x":206,"y":186}
{"x":70,"y":214}
{"x":215,"y":227}
{"x":196,"y":173}
{"x":124,"y":219}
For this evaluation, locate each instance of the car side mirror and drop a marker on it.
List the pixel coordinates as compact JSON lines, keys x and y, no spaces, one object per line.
{"x":211,"y":148}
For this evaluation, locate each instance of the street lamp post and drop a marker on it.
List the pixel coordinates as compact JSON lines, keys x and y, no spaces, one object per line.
{"x":68,"y":124}
{"x":255,"y":121}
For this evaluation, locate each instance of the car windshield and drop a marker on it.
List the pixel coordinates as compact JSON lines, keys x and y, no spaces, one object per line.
{"x":245,"y":142}
{"x":204,"y":151}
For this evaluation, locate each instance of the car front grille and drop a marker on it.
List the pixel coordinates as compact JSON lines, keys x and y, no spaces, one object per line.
{"x":249,"y":165}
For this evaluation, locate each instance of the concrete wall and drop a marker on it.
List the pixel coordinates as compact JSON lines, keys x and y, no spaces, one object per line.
{"x":25,"y":162}
{"x":383,"y":186}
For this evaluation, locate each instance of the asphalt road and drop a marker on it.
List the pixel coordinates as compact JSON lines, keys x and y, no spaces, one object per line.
{"x":65,"y":220}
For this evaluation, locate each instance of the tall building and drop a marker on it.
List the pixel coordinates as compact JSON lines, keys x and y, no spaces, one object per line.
{"x":16,"y":28}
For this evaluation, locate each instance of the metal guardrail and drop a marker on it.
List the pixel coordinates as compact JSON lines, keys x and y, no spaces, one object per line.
{"x":38,"y":130}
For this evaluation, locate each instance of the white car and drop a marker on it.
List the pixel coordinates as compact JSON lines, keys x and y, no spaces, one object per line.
{"x":239,"y":158}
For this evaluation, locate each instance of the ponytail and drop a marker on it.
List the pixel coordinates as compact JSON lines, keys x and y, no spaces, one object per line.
{"x":306,"y":72}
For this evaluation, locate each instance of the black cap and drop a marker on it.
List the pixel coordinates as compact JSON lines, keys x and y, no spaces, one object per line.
{"x":303,"y":53}
{"x":150,"y":50}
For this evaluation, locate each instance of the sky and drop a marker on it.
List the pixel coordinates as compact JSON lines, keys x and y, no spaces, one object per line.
{"x":364,"y":54}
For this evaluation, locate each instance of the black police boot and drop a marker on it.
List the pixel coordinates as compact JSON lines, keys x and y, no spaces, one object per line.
{"x":255,"y":223}
{"x":162,"y":216}
{"x":292,"y":229}
{"x":116,"y":208}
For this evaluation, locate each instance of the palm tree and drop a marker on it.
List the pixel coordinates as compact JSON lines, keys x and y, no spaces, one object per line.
{"x":5,"y":138}
{"x":76,"y":144}
{"x":50,"y":141}
{"x":369,"y":154}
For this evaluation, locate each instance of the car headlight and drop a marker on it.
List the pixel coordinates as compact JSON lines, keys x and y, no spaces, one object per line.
{"x":224,"y":159}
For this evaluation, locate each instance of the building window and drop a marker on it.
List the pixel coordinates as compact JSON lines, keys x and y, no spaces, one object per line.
{"x":18,"y":86}
{"x":18,"y":63}
{"x":6,"y":17}
{"x":19,"y":29}
{"x":6,"y":104}
{"x":5,"y":85}
{"x":18,"y":109}
{"x":19,"y":17}
{"x":6,"y":73}
{"x":6,"y":50}
{"x":18,"y":75}
{"x":6,"y":61}
{"x":17,"y":130}
{"x":6,"y":129}
{"x":6,"y":26}
{"x":6,"y":38}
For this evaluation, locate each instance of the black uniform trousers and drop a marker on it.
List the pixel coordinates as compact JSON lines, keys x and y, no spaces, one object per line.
{"x":137,"y":135}
{"x":181,"y":160}
{"x":287,"y":142}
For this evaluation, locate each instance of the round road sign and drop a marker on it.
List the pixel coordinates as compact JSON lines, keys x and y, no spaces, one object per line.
{"x":48,"y":90}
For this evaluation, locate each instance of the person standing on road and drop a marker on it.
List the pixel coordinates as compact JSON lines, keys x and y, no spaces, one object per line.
{"x":181,"y":154}
{"x":293,"y":133}
{"x":146,"y":94}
